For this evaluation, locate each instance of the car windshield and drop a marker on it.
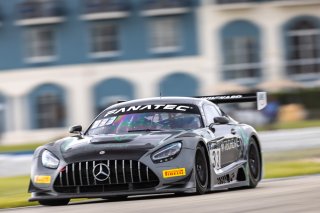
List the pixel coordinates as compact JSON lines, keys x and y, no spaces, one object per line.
{"x":147,"y":118}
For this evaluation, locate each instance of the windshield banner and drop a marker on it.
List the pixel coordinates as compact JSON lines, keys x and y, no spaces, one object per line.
{"x":182,"y":108}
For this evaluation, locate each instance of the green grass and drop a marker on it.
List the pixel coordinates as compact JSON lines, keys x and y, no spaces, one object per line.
{"x":291,"y":125}
{"x":20,"y":147}
{"x":13,"y":192}
{"x":298,"y":124}
{"x":292,"y":155}
{"x":291,"y":168}
{"x":292,"y":163}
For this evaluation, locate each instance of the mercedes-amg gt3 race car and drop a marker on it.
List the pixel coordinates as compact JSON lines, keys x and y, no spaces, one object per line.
{"x":155,"y":145}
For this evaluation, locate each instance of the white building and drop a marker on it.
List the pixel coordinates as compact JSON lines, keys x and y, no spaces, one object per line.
{"x":62,"y":68}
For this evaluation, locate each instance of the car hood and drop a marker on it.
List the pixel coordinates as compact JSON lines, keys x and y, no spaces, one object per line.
{"x":130,"y":146}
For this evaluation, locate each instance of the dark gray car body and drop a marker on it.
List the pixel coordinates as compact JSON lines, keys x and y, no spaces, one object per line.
{"x":225,"y":144}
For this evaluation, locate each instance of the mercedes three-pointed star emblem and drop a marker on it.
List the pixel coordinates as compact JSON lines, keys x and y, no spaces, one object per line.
{"x":101,"y":172}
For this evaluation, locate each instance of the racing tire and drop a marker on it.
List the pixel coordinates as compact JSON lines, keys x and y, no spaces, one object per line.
{"x":58,"y":202}
{"x":201,"y":170}
{"x":254,"y":163}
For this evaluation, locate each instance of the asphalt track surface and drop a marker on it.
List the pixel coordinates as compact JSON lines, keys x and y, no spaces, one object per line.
{"x":299,"y":194}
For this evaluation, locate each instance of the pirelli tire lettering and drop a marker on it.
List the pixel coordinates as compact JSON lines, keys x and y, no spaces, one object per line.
{"x":174,"y":173}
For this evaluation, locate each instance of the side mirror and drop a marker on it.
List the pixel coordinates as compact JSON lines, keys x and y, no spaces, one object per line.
{"x":221,"y":120}
{"x":211,"y":127}
{"x":75,"y":129}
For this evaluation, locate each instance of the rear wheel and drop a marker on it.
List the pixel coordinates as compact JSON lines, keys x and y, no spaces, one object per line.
{"x":59,"y":202}
{"x":201,"y":170}
{"x":254,"y":162}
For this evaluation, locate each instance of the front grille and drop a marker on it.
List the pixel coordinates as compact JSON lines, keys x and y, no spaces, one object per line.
{"x":125,"y":175}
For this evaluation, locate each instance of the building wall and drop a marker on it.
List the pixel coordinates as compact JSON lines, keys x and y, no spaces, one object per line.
{"x":79,"y":83}
{"x":73,"y":36}
{"x":200,"y":61}
{"x":269,"y":16}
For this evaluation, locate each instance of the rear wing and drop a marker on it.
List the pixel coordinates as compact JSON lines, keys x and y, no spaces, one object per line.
{"x":259,"y":97}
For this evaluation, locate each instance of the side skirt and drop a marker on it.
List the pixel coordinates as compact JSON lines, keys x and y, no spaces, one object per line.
{"x":231,"y":176}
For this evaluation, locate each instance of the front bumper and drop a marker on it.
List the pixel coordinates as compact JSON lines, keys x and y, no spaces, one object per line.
{"x":185,"y":186}
{"x":91,"y":188}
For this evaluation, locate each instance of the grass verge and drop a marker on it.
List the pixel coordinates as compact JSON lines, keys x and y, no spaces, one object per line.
{"x":17,"y":148}
{"x":13,"y":192}
{"x":291,"y":125}
{"x":291,"y":168}
{"x":292,"y":163}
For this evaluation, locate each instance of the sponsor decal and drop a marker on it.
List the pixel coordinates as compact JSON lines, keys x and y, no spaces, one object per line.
{"x":220,"y":146}
{"x":42,"y":179}
{"x":225,"y":178}
{"x":226,"y":144}
{"x":152,"y":107}
{"x":174,"y":172}
{"x":229,"y":144}
{"x":222,"y":97}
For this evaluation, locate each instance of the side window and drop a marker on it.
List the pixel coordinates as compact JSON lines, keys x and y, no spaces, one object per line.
{"x":210,"y":113}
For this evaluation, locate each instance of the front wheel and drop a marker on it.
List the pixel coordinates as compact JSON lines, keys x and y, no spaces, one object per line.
{"x":59,"y":202}
{"x":201,"y":170}
{"x":254,"y":162}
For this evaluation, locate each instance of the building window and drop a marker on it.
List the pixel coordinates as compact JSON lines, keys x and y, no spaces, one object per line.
{"x":49,"y":111}
{"x":110,"y":91}
{"x":47,"y":107}
{"x":241,"y":52}
{"x":40,"y":44}
{"x":303,"y":40}
{"x":165,"y":35}
{"x":179,"y":84}
{"x":241,"y":60}
{"x":105,"y":39}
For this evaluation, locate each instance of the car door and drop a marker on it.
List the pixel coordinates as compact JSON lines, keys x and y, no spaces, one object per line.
{"x":226,"y":146}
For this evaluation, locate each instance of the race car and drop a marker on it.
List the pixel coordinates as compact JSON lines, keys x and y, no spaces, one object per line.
{"x":147,"y":146}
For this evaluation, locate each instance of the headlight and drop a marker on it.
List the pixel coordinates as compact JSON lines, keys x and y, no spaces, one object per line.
{"x":49,"y":160}
{"x":167,"y":153}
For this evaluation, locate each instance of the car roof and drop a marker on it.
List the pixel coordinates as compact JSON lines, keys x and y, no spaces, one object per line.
{"x":161,"y":100}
